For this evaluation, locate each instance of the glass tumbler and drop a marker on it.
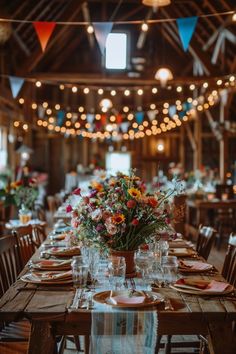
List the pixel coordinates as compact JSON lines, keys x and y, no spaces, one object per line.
{"x":170,"y":269}
{"x":79,"y":272}
{"x":116,"y":271}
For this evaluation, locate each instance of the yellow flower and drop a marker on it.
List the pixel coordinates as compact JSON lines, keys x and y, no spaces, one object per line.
{"x":118,"y":218}
{"x":134,"y":192}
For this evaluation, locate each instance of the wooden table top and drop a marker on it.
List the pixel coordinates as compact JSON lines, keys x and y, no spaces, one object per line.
{"x":212,"y":204}
{"x":192,"y":314}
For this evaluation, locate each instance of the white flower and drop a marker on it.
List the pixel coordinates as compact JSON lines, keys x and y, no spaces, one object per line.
{"x":96,"y":215}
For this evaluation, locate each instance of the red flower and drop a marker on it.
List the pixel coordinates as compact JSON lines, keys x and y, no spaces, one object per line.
{"x":68,"y":208}
{"x":77,"y":191}
{"x":144,"y":247}
{"x":135,"y":222}
{"x":131,"y":203}
{"x":152,"y":202}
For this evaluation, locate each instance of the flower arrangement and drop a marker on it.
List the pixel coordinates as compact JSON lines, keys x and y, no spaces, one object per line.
{"x":118,"y":214}
{"x":22,"y":193}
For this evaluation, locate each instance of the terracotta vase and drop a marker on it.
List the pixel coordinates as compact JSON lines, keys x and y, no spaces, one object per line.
{"x":129,"y":260}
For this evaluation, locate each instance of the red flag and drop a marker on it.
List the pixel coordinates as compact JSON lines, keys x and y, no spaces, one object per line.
{"x":119,"y":119}
{"x":104,"y":119}
{"x":44,"y":31}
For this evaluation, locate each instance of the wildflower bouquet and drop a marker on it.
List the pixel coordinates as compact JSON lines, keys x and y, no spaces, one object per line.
{"x":25,"y":193}
{"x":119,"y":215}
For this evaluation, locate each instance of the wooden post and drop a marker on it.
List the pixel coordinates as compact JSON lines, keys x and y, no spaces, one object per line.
{"x":197,"y":162}
{"x":223,"y":160}
{"x":182,"y":149}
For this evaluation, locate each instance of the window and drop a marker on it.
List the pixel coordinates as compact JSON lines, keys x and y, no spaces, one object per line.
{"x":3,"y":148}
{"x":116,"y":51}
{"x":118,"y":162}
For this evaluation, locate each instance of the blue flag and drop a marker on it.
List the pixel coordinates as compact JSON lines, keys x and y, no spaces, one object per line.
{"x":60,"y":117}
{"x":101,"y":31}
{"x":186,"y":27}
{"x":16,"y":83}
{"x":139,"y":117}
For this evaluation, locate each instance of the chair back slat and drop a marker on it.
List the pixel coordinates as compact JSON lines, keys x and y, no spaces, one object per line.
{"x":39,"y":234}
{"x":229,"y":266}
{"x":206,"y":237}
{"x":9,"y":262}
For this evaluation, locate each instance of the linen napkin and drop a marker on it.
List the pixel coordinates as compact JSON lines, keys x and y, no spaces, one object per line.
{"x":180,"y":252}
{"x":123,"y":332}
{"x":64,"y":252}
{"x":202,"y":285}
{"x":195,"y":265}
{"x":52,"y":276}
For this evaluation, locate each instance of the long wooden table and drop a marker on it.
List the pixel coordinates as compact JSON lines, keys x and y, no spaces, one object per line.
{"x":47,"y":310}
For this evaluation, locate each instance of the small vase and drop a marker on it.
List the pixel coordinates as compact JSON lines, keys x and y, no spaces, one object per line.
{"x":129,"y":260}
{"x":25,"y":215}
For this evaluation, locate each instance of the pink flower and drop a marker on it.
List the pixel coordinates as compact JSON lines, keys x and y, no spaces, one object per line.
{"x":77,"y":191}
{"x":68,"y":208}
{"x":74,"y":223}
{"x":111,"y":229}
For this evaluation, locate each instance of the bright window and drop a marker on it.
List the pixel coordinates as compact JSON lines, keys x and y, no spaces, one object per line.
{"x":116,"y":51}
{"x":118,"y":162}
{"x":3,"y":148}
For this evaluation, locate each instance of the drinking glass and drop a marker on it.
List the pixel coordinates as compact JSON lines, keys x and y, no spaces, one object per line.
{"x":144,"y":262}
{"x":79,"y":272}
{"x":164,"y":246}
{"x":116,"y":271}
{"x":93,"y":264}
{"x":170,"y":269}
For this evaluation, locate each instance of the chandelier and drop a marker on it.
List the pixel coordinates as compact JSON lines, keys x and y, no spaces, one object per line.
{"x":163,"y":75}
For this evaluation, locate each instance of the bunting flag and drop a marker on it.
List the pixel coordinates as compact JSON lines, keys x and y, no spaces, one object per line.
{"x":90,"y":118}
{"x":151,"y":115}
{"x":104,"y":119}
{"x":172,"y":110}
{"x":124,"y":127}
{"x":119,"y":119}
{"x":101,"y":31}
{"x":186,"y":27}
{"x":16,"y":83}
{"x":60,"y":117}
{"x":41,"y":111}
{"x":44,"y":31}
{"x":139,"y":117}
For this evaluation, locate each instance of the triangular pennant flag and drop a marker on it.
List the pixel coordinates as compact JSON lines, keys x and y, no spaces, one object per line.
{"x":139,"y":117}
{"x":16,"y":84}
{"x":151,"y":115}
{"x":104,"y":119}
{"x":41,"y":111}
{"x":60,"y":117}
{"x":101,"y":31}
{"x":186,"y":27}
{"x":172,"y":110}
{"x":44,"y":31}
{"x":124,"y":127}
{"x":119,"y":119}
{"x":90,"y":118}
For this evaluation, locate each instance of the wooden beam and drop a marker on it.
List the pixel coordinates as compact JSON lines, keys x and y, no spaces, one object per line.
{"x":191,"y":137}
{"x":70,"y":14}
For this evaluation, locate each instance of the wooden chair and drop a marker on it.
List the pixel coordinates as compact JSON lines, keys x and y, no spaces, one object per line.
{"x":26,"y":243}
{"x":39,"y":234}
{"x":229,"y":266}
{"x":13,"y":336}
{"x":9,"y":262}
{"x":206,"y":238}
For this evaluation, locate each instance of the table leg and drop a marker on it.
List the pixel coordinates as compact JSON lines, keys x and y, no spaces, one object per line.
{"x":222,"y":338}
{"x":41,"y":339}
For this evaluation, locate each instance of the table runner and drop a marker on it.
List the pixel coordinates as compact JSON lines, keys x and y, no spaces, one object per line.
{"x":122,"y":331}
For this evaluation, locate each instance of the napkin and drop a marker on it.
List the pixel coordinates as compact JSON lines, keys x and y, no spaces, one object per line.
{"x":51,"y":276}
{"x":179,"y":251}
{"x":52,"y":264}
{"x":127,"y":300}
{"x":71,"y":251}
{"x":204,"y":285}
{"x":195,"y":265}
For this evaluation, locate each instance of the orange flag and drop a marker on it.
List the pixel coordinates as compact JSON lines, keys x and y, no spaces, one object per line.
{"x":44,"y":31}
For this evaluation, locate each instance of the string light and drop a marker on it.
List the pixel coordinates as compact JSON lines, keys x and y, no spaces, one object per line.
{"x":34,"y":106}
{"x":127,"y":92}
{"x":152,"y":106}
{"x":144,"y":27}
{"x":57,"y":107}
{"x":100,"y":91}
{"x":81,"y":109}
{"x":61,"y":87}
{"x":45,"y":104}
{"x":21,"y":100}
{"x":154,"y":90}
{"x":90,"y":29}
{"x":74,"y":89}
{"x":86,"y":90}
{"x":179,"y":89}
{"x":205,"y":84}
{"x":25,"y":126}
{"x":192,"y":87}
{"x":140,"y":92}
{"x":16,"y":124}
{"x":38,"y":84}
{"x":113,"y":92}
{"x":219,"y":82}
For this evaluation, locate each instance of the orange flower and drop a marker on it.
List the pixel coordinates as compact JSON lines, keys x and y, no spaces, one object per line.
{"x":97,"y":186}
{"x":118,"y":218}
{"x":134,"y":192}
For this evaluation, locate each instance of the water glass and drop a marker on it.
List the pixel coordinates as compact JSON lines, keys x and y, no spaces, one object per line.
{"x":164,"y":246}
{"x":79,"y":272}
{"x":116,"y":271}
{"x":170,"y":269}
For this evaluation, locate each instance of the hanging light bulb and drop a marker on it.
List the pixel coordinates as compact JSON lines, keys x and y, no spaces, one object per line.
{"x":156,"y":3}
{"x":105,"y":104}
{"x":163,"y":74}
